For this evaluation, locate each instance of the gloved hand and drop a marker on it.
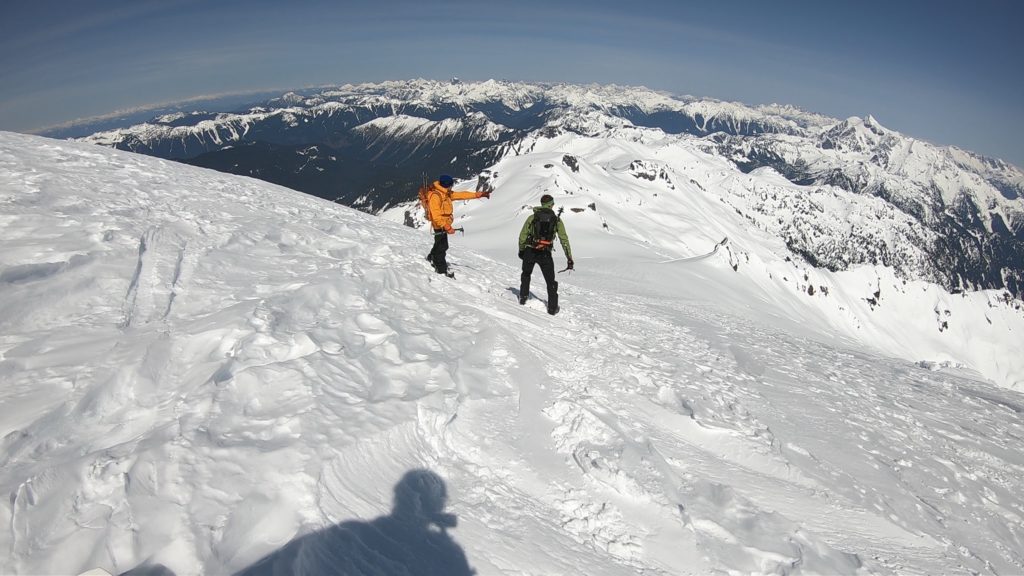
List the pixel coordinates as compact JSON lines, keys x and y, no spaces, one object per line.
{"x":449,"y":230}
{"x":521,"y":253}
{"x":570,"y":264}
{"x":485,"y":195}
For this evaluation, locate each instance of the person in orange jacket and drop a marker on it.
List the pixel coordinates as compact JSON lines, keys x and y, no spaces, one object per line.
{"x":439,"y":200}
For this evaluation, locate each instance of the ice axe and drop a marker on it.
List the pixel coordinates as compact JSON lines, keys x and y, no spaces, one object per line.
{"x":443,"y":232}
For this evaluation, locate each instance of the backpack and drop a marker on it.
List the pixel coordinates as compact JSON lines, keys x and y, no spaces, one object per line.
{"x":425,"y":200}
{"x":542,"y":232}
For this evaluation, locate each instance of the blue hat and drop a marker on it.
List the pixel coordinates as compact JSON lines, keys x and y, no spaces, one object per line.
{"x":446,"y":180}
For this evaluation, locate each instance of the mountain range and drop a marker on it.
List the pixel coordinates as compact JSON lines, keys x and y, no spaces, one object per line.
{"x":863,"y":194}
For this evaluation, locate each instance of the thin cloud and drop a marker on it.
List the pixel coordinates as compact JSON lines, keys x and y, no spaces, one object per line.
{"x":161,"y":105}
{"x":53,"y":30}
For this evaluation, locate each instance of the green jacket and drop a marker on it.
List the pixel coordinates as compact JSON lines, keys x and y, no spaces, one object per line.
{"x":563,"y":238}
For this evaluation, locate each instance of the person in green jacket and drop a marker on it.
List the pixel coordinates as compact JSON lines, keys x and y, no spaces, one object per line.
{"x":536,"y":241}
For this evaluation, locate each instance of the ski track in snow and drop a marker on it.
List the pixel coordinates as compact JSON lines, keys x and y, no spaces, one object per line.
{"x":193,"y":382}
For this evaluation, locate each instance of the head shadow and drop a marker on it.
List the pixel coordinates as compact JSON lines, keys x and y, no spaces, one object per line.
{"x":412,"y":539}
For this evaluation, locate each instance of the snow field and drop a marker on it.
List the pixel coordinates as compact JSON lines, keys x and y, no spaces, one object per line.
{"x":637,"y":196}
{"x":197,"y":369}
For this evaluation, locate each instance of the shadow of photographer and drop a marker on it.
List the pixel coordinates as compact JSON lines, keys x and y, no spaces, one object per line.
{"x":413,"y":539}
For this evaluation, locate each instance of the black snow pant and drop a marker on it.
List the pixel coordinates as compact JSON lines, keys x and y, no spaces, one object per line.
{"x":543,"y":259}
{"x":438,"y":253}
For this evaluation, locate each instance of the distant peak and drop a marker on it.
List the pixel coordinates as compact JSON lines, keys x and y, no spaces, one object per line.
{"x":867,"y":123}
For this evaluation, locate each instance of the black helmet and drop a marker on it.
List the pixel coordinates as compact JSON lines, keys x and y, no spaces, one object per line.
{"x":446,"y":180}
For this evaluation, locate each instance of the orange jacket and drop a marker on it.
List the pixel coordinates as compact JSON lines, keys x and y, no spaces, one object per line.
{"x":440,"y":200}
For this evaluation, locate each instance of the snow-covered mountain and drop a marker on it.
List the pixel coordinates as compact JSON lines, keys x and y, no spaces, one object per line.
{"x":657,"y":199}
{"x":201,"y":373}
{"x":971,"y":210}
{"x":950,"y":217}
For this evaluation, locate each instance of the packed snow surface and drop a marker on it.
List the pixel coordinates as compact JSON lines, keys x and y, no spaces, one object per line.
{"x":215,"y":375}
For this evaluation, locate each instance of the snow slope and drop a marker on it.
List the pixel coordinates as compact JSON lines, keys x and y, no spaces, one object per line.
{"x":634,"y":197}
{"x":211,"y":374}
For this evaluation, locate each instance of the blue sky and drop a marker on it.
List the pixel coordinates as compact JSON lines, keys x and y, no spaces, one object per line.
{"x":947,"y":72}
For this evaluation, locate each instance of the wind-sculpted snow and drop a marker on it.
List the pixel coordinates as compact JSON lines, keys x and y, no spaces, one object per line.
{"x":201,"y":373}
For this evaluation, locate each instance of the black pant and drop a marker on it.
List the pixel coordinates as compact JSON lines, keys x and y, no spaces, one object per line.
{"x":439,"y":251}
{"x":543,"y":259}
